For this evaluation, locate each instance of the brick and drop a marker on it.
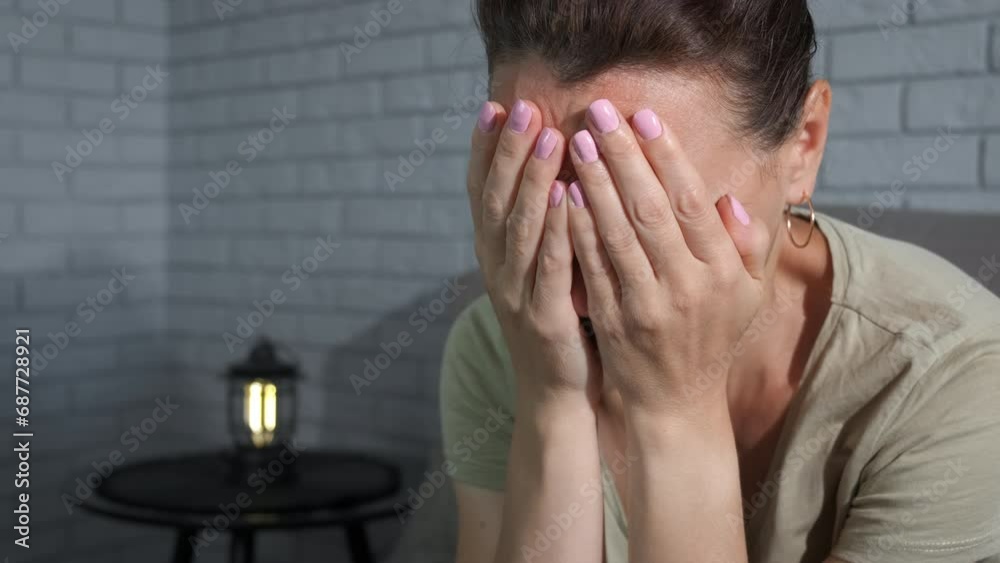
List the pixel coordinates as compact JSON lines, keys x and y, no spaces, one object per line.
{"x":341,"y":176}
{"x":118,"y":184}
{"x":269,"y":33}
{"x":200,"y":112}
{"x":928,"y":10}
{"x":8,"y":294}
{"x":32,"y":108}
{"x":257,"y":108}
{"x":866,"y":109}
{"x":383,"y":217}
{"x":146,"y":81}
{"x":910,"y":52}
{"x":386,"y":55}
{"x":143,"y":149}
{"x":199,"y":42}
{"x":32,"y":38}
{"x":993,"y":161}
{"x":449,"y":217}
{"x":308,"y":65}
{"x":21,"y":257}
{"x":65,"y":292}
{"x":75,"y":218}
{"x":421,"y":257}
{"x":88,"y":254}
{"x":52,"y":145}
{"x":149,"y":115}
{"x":969,"y":103}
{"x":850,"y":13}
{"x":68,"y":75}
{"x":341,"y":100}
{"x":145,"y":218}
{"x":261,"y":178}
{"x":195,"y":250}
{"x":120,"y":43}
{"x":304,"y":216}
{"x":6,"y":69}
{"x":103,"y":10}
{"x":879,"y":162}
{"x":147,"y":12}
{"x":34,"y":183}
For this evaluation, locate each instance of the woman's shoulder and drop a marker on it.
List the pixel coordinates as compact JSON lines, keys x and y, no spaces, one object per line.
{"x":476,"y":359}
{"x":908,"y":291}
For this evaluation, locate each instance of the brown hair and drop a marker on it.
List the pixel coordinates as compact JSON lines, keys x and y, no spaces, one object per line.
{"x":760,"y":49}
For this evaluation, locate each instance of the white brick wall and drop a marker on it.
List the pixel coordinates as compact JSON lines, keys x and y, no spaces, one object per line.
{"x":63,"y":240}
{"x":901,"y":71}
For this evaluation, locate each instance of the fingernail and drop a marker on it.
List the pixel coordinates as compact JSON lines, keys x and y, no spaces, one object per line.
{"x":585,"y":146}
{"x":604,"y":116}
{"x":487,"y":118}
{"x":739,"y":211}
{"x":576,"y":195}
{"x":520,"y":117}
{"x":648,"y":125}
{"x":546,"y":144}
{"x":556,"y":194}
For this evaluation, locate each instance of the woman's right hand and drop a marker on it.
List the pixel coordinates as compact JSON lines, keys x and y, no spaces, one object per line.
{"x":525,"y":252}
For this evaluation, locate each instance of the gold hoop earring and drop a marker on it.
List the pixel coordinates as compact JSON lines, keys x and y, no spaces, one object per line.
{"x":812,"y":221}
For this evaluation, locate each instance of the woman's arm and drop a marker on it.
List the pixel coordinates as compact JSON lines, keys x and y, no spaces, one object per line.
{"x":553,"y":508}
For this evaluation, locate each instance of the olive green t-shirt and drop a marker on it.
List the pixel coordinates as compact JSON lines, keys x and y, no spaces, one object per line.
{"x":890,"y":451}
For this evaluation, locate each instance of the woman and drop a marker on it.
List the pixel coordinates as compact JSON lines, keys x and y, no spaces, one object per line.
{"x":758,"y":385}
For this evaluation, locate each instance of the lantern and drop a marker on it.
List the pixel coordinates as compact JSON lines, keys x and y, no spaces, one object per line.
{"x":262,"y":399}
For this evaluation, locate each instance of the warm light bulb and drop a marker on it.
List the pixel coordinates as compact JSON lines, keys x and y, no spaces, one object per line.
{"x":270,"y":407}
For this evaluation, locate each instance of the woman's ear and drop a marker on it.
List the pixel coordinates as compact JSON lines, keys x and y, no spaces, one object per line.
{"x":803,"y":154}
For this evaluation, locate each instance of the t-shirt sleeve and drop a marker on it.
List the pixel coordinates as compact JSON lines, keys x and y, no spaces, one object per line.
{"x":476,"y":397}
{"x":932,"y":492}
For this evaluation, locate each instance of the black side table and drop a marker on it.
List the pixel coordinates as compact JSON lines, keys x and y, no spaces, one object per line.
{"x":277,"y":491}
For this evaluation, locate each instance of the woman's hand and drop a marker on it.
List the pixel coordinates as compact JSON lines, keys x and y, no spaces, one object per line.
{"x":673,"y":277}
{"x":524,"y":249}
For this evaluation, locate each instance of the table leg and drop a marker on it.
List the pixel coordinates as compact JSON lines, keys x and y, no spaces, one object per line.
{"x":357,"y":542}
{"x":241,"y":547}
{"x":183,"y":553}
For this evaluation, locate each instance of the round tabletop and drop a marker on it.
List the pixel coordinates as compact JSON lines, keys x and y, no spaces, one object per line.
{"x":271,"y":490}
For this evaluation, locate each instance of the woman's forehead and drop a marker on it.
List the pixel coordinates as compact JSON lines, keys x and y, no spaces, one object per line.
{"x":689,"y":106}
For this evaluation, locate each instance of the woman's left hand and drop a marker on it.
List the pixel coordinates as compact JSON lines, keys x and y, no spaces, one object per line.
{"x":673,"y":276}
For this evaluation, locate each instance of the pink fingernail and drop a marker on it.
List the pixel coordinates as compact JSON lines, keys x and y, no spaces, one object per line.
{"x":648,"y":124}
{"x":577,"y":196}
{"x":739,"y":211}
{"x":520,"y":117}
{"x":604,"y":116}
{"x":556,"y":194}
{"x":487,"y":118}
{"x":585,"y":146}
{"x":546,"y":144}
